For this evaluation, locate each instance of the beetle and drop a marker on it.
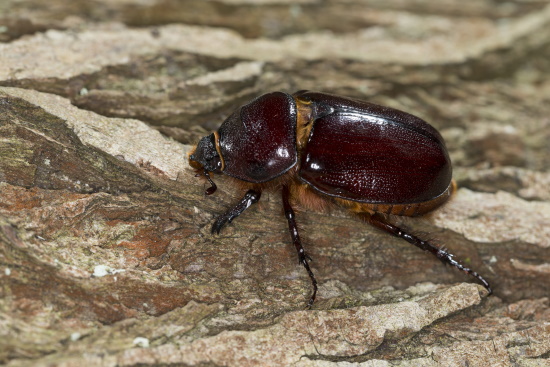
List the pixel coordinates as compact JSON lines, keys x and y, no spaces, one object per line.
{"x":320,"y":148}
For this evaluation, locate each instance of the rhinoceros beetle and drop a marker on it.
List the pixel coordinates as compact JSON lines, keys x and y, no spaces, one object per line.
{"x":316,"y":147}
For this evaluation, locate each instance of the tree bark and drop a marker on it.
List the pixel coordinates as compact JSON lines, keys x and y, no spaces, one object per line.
{"x":106,"y":255}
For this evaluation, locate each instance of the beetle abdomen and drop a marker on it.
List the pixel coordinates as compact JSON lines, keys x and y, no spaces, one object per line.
{"x":408,"y":210}
{"x":354,"y":153}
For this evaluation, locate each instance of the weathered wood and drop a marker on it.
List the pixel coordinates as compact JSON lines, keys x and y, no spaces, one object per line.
{"x":105,"y":231}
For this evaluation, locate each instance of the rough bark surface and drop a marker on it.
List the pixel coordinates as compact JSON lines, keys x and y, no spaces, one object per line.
{"x":106,"y":256}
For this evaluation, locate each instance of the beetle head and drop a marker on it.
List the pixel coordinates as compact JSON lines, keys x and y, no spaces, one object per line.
{"x":206,"y":155}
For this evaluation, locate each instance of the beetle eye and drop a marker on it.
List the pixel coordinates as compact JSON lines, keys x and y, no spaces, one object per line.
{"x":214,"y":164}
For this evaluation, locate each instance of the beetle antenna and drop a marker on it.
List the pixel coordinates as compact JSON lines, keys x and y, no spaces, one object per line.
{"x":212,"y":189}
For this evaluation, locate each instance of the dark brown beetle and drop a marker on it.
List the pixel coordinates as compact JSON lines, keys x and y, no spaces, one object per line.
{"x":318,"y":147}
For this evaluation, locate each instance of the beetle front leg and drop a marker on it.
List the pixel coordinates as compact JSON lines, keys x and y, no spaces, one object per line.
{"x":303,"y":258}
{"x":249,"y":198}
{"x":380,"y":222}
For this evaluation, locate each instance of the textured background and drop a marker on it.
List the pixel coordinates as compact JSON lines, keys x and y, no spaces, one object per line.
{"x":105,"y":253}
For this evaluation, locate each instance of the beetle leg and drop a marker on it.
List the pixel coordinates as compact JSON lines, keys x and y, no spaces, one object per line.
{"x":249,"y":198}
{"x":380,"y":222}
{"x":303,"y":258}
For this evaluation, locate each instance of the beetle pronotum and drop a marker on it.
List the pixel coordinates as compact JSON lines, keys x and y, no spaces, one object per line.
{"x":315,"y":147}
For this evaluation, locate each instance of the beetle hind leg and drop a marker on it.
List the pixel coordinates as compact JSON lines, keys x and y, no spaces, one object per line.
{"x":251,"y":197}
{"x":303,"y":258}
{"x":380,"y":222}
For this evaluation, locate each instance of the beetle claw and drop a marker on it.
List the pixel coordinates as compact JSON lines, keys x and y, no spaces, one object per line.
{"x":218,"y":225}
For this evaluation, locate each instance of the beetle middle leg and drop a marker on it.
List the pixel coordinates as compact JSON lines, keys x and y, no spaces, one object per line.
{"x":303,"y":258}
{"x":251,"y":197}
{"x":378,"y":221}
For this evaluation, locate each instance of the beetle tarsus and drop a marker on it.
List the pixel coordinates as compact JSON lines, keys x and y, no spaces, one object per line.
{"x":303,"y":258}
{"x":380,"y":222}
{"x":249,"y":198}
{"x":447,"y":258}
